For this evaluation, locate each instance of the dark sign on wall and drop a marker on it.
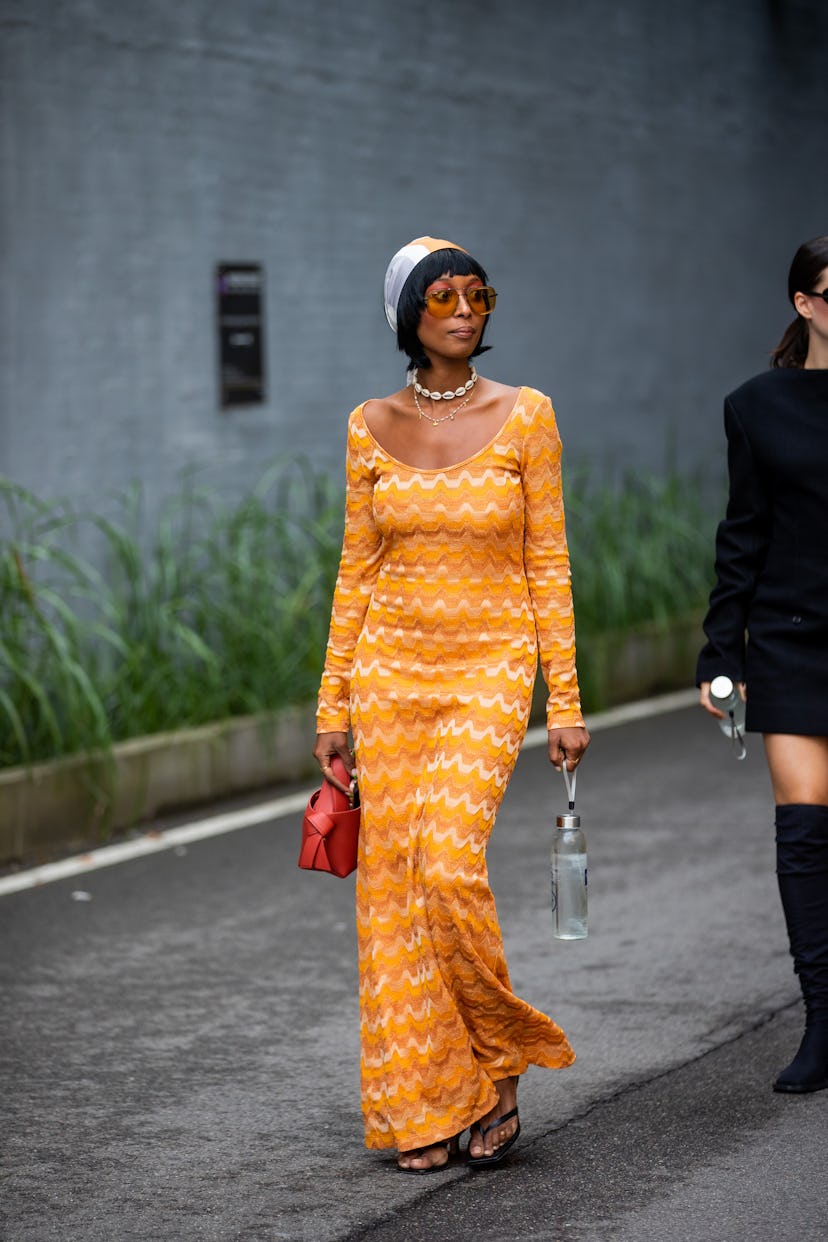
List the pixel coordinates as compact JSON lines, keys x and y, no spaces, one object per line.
{"x":240,"y":311}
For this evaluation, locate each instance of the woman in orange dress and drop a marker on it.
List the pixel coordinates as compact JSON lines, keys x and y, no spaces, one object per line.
{"x":454,"y":575}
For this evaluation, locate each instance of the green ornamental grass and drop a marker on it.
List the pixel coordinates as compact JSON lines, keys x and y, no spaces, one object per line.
{"x":110,"y":631}
{"x":223,"y":612}
{"x":641,"y":550}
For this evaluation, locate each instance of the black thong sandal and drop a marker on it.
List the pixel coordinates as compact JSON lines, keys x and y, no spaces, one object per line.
{"x":452,"y":1147}
{"x":485,"y":1162}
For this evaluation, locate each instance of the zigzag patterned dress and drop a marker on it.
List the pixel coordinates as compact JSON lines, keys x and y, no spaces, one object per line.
{"x":449,"y":582}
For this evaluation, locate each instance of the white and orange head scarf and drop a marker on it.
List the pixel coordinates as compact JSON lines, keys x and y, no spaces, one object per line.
{"x":401,"y":267}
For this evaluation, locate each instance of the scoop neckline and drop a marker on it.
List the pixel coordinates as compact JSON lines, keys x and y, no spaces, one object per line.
{"x":441,"y":469}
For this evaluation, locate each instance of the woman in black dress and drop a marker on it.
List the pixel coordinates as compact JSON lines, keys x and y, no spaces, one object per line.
{"x":772,"y":581}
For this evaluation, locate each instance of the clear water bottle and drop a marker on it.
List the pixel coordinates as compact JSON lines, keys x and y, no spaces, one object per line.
{"x":569,"y":879}
{"x":726,"y":696}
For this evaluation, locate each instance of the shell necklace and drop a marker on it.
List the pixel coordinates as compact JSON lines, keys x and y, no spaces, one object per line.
{"x":452,"y":392}
{"x":465,"y":390}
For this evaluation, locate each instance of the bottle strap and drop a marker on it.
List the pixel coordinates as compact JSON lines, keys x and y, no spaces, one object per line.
{"x":736,"y":738}
{"x":570,"y":781}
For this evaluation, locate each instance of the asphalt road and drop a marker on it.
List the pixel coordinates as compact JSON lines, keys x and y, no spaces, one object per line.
{"x":178,"y":1034}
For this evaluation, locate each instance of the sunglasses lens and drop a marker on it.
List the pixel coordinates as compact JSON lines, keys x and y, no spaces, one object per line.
{"x":482,"y":300}
{"x":442,"y":303}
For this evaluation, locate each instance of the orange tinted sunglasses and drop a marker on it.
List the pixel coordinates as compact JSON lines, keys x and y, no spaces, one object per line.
{"x":441,"y":303}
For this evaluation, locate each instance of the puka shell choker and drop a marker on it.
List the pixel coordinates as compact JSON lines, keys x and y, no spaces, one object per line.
{"x":452,"y":392}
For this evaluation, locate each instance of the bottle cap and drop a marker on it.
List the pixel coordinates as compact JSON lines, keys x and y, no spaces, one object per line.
{"x":721,"y":687}
{"x":568,"y":821}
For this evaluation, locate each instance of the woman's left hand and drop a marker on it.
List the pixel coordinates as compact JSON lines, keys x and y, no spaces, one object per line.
{"x":567,"y":745}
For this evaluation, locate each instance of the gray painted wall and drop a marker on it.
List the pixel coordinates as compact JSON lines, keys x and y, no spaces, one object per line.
{"x":635,"y":176}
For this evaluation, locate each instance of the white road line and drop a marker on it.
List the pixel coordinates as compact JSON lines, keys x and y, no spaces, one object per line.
{"x":263,"y":812}
{"x":643,"y":709}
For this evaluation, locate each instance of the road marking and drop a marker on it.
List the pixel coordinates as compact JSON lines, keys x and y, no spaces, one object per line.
{"x":642,"y":709}
{"x":153,"y":842}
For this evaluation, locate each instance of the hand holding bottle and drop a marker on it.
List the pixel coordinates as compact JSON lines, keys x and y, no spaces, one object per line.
{"x":726,"y":702}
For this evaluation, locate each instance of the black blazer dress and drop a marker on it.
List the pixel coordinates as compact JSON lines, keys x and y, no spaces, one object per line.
{"x":767,"y":623}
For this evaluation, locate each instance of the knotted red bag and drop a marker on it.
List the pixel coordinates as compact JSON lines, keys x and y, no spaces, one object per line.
{"x":330,"y":827}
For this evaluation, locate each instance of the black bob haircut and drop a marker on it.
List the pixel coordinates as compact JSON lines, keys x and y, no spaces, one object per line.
{"x":410,"y":307}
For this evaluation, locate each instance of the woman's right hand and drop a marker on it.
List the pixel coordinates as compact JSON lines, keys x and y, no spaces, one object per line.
{"x":327,"y":746}
{"x":704,"y":698}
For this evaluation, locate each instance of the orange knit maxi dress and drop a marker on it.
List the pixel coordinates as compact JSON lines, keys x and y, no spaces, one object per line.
{"x":450,"y":580}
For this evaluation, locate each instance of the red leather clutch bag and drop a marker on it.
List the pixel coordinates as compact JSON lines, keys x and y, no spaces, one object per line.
{"x":330,"y":827}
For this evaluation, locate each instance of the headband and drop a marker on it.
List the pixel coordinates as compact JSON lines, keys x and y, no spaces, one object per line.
{"x":401,"y":267}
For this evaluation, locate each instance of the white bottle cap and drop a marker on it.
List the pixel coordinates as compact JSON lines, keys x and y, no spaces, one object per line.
{"x":721,"y":687}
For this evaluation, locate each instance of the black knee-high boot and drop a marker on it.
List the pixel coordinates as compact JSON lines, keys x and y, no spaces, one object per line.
{"x":802,"y":871}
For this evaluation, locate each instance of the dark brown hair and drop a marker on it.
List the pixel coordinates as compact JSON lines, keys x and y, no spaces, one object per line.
{"x":809,"y":262}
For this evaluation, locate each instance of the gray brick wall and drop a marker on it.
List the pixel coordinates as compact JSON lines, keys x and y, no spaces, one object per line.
{"x":635,"y":177}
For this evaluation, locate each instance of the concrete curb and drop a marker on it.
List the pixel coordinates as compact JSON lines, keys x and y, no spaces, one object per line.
{"x":70,"y":803}
{"x":623,"y":666}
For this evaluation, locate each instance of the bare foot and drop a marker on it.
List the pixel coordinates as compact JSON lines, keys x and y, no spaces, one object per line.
{"x":507,"y":1100}
{"x":424,"y":1159}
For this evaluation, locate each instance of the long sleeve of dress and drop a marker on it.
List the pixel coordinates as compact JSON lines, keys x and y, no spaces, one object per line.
{"x":546,"y":561}
{"x":742,"y":541}
{"x":358,"y":568}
